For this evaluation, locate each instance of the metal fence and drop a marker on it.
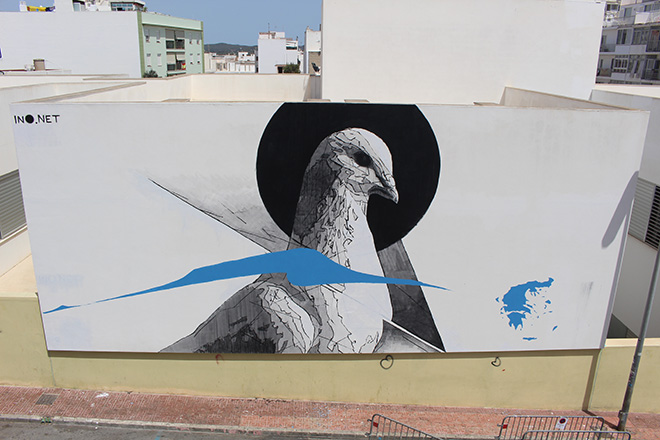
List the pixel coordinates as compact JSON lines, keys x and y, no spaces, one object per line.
{"x":575,"y":435}
{"x":514,"y":427}
{"x":382,"y":428}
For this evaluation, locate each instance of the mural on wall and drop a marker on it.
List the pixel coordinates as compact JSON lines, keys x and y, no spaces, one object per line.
{"x":321,"y":227}
{"x":318,"y":195}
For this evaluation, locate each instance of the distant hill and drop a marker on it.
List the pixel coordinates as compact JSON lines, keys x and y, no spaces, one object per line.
{"x":226,"y":48}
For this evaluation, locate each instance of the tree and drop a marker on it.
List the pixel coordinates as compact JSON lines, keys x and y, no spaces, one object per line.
{"x":150,"y":74}
{"x":291,"y":68}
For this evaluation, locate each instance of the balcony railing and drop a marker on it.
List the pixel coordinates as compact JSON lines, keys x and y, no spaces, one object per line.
{"x":647,"y":17}
{"x":175,"y":44}
{"x":621,"y":21}
{"x":651,"y":75}
{"x":607,"y":47}
{"x":653,"y":46}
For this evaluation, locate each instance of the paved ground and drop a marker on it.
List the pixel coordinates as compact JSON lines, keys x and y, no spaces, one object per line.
{"x":174,"y":417}
{"x":19,"y":430}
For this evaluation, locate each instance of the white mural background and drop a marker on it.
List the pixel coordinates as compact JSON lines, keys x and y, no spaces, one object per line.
{"x":525,"y":195}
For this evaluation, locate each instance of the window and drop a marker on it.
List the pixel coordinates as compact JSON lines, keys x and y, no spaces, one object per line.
{"x":146,"y":34}
{"x":160,"y":60}
{"x":621,"y":36}
{"x":125,"y":6}
{"x":620,"y":64}
{"x":157,"y":35}
{"x":149,"y":60}
{"x":654,"y":40}
{"x":641,"y":36}
{"x":199,"y":59}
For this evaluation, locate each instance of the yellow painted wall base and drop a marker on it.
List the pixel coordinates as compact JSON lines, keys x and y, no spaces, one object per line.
{"x":23,"y":356}
{"x":578,"y":379}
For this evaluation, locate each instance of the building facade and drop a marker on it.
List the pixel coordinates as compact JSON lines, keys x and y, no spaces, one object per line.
{"x":243,"y":62}
{"x":274,"y":51}
{"x":312,"y":63}
{"x":171,"y":45}
{"x":101,"y":38}
{"x":630,"y":44}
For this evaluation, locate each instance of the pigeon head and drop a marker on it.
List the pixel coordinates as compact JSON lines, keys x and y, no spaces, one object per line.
{"x":360,"y":160}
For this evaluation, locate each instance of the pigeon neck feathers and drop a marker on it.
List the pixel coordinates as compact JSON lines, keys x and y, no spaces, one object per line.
{"x":345,"y":170}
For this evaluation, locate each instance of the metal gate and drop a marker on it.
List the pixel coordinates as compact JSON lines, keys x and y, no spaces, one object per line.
{"x":575,"y":435}
{"x":383,"y":428}
{"x":514,"y":427}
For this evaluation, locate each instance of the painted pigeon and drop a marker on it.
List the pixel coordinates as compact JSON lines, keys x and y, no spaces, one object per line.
{"x":272,"y":315}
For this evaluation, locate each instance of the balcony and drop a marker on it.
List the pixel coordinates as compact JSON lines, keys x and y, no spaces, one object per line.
{"x":610,"y":21}
{"x":647,"y":17}
{"x":607,"y":48}
{"x":179,"y":65}
{"x":175,"y":44}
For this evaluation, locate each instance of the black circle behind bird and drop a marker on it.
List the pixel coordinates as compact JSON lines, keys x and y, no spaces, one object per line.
{"x":296,"y":129}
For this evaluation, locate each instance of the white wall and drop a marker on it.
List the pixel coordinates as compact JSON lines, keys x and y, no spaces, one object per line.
{"x":149,"y":90}
{"x":633,"y":289}
{"x":524,"y":194}
{"x":644,"y":98}
{"x":9,"y":95}
{"x":312,"y":44}
{"x":639,"y":257}
{"x":17,"y":247}
{"x":32,"y":78}
{"x":82,"y":42}
{"x":472,"y":48}
{"x":271,"y":52}
{"x":525,"y":98}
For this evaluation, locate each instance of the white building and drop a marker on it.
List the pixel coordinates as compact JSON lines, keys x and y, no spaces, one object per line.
{"x":101,"y":37}
{"x":312,"y":63}
{"x":243,"y":62}
{"x":467,"y":60}
{"x":630,"y":43}
{"x":274,"y":51}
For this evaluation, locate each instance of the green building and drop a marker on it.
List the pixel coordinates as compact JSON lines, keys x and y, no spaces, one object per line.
{"x":170,"y":45}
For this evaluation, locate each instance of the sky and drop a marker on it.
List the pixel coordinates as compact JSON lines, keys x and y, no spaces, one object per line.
{"x":230,"y":21}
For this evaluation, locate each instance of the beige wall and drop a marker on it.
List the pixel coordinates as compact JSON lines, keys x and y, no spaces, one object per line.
{"x":211,"y":88}
{"x":539,"y":380}
{"x":24,"y":359}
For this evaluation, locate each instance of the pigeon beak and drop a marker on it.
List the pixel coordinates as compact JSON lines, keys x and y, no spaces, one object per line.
{"x":392,"y":193}
{"x":387,"y":188}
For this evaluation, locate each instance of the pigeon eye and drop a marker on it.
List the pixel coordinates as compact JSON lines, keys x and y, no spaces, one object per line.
{"x":362,"y":159}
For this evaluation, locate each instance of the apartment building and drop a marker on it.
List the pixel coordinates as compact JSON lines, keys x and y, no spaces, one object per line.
{"x":630,"y":43}
{"x":274,"y":51}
